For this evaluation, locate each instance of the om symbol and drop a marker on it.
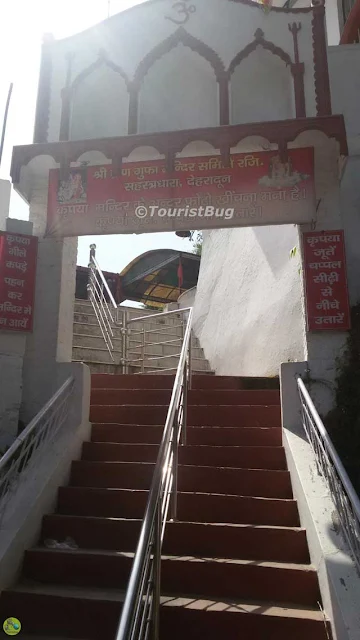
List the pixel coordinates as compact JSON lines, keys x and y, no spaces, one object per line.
{"x":183,"y":10}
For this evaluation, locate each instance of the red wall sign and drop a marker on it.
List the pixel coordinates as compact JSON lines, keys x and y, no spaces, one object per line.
{"x":257,"y":187}
{"x":327,"y":300}
{"x":18,"y":255}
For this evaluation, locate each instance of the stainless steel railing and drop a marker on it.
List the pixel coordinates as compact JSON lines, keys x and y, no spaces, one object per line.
{"x":343,"y":494}
{"x":140,"y":614}
{"x":136,"y":344}
{"x":102,"y":301}
{"x":17,"y":464}
{"x":141,"y":340}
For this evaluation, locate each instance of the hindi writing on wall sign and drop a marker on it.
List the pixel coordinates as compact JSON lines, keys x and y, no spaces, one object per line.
{"x":18,"y":255}
{"x":327,"y":299}
{"x":257,"y":187}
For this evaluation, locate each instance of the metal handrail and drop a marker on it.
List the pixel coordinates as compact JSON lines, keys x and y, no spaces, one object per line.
{"x":140,"y":614}
{"x":110,"y":316}
{"x":162,"y":315}
{"x":22,"y":455}
{"x":98,"y":289}
{"x":106,"y":286}
{"x":330,"y":466}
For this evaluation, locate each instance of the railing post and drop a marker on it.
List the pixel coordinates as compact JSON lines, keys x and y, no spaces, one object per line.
{"x":91,"y":256}
{"x":185,"y":405}
{"x":143,"y":350}
{"x":156,"y":575}
{"x":124,"y":334}
{"x":190,"y":363}
{"x":175,"y":452}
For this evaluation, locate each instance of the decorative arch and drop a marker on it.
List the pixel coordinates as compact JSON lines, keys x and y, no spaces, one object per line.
{"x":180,"y":36}
{"x":259,"y":41}
{"x":70,"y":87}
{"x":102,"y":60}
{"x":296,"y":67}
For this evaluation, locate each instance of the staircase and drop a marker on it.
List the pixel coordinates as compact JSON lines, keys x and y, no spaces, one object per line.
{"x":236,"y":563}
{"x":164,"y":338}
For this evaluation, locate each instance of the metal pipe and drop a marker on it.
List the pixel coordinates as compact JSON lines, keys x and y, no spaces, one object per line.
{"x":125,"y":339}
{"x":185,"y":407}
{"x":111,"y":297}
{"x":190,"y":365}
{"x":134,"y":592}
{"x":175,"y":450}
{"x":143,"y":352}
{"x":160,"y":315}
{"x":348,"y":486}
{"x":155,"y":627}
{"x":5,"y":120}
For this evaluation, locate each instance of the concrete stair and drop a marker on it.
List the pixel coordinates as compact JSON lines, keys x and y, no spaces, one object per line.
{"x":163,"y":338}
{"x":235,"y":564}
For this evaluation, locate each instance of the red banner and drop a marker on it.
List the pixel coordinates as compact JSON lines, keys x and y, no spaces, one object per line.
{"x":327,"y":300}
{"x":256,"y":189}
{"x":18,"y":254}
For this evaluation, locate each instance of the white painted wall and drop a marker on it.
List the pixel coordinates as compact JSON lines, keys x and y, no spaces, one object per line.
{"x":179,"y":92}
{"x":248,"y":313}
{"x":262,"y":89}
{"x":344,"y":72}
{"x":345,"y":96}
{"x":334,"y":21}
{"x":180,"y":80}
{"x":93,"y":116}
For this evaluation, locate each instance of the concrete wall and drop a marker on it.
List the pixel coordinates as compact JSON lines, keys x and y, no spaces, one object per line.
{"x":248,"y":313}
{"x":21,"y":524}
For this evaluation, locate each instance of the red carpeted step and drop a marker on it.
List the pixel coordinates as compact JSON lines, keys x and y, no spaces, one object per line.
{"x":221,"y":436}
{"x":199,"y":507}
{"x":232,"y":578}
{"x":109,"y":381}
{"x":277,"y":544}
{"x":135,"y":475}
{"x":94,"y":615}
{"x":198,"y":415}
{"x":197,"y":396}
{"x":130,"y":396}
{"x":218,"y":456}
{"x":251,"y":397}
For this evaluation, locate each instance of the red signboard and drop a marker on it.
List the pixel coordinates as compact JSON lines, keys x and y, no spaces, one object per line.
{"x":18,"y":255}
{"x":327,"y":300}
{"x":201,"y":193}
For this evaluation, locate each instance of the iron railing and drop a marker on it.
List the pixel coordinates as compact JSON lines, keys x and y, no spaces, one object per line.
{"x":343,"y":494}
{"x":141,"y":340}
{"x":17,"y":464}
{"x":140,"y":614}
{"x":136,"y":343}
{"x":102,"y":301}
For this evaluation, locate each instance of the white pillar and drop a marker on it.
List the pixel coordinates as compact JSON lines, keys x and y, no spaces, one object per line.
{"x":51,"y":339}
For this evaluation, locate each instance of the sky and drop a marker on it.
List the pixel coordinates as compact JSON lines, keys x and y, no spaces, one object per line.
{"x":22,"y":26}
